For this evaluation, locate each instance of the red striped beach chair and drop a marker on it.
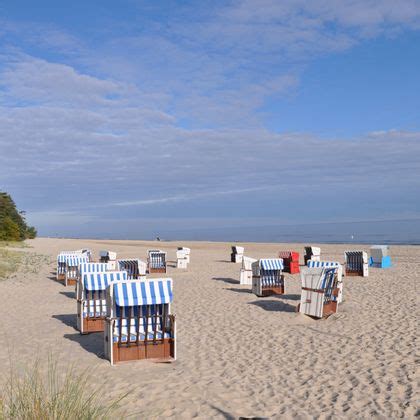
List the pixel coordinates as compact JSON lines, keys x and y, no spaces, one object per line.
{"x":267,"y":277}
{"x":319,"y":297}
{"x":139,"y":322}
{"x":91,"y":300}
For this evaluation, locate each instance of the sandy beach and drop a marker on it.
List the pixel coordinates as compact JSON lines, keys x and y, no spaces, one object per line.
{"x":238,"y":355}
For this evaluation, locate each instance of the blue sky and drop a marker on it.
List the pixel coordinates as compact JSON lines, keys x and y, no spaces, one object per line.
{"x":170,"y":115}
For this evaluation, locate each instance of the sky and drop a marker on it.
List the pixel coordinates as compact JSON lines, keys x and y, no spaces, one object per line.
{"x":133,"y":119}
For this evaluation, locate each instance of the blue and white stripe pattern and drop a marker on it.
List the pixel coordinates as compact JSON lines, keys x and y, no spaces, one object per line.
{"x":134,"y":267}
{"x":147,"y":292}
{"x":75,"y":261}
{"x":312,"y":264}
{"x":273,"y":264}
{"x":100,"y":281}
{"x":157,"y":259}
{"x":93,"y":268}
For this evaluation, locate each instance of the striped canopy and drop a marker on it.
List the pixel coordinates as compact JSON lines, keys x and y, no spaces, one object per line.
{"x":100,"y":281}
{"x":72,"y":260}
{"x":312,"y":264}
{"x":143,"y":292}
{"x":272,"y":264}
{"x":93,"y":267}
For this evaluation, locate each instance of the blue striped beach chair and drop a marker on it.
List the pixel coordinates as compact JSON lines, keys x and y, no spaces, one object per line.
{"x":91,"y":299}
{"x":72,"y":268}
{"x":267,"y":277}
{"x":319,"y":296}
{"x":356,"y":263}
{"x":135,"y":268}
{"x":330,"y":264}
{"x":90,"y":267}
{"x":156,"y":261}
{"x":61,"y":261}
{"x":139,"y":323}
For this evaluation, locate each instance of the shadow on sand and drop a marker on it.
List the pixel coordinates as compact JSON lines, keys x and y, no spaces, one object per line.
{"x":68,"y":319}
{"x":274,"y":305}
{"x":93,"y":342}
{"x":71,"y":295}
{"x":226,"y":280}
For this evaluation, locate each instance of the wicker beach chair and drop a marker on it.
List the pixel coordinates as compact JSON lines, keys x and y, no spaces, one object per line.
{"x":181,"y":259}
{"x":182,"y":250}
{"x":379,"y":257}
{"x":90,"y":267}
{"x":267,"y":277}
{"x":290,"y":261}
{"x":135,"y":268}
{"x":156,"y":261}
{"x":62,"y":261}
{"x":356,"y":263}
{"x":139,"y":323}
{"x":245,"y":276}
{"x":109,"y":257}
{"x":312,"y":253}
{"x":331,"y":264}
{"x":72,"y":268}
{"x":237,"y":254}
{"x":91,"y":300}
{"x":319,"y":297}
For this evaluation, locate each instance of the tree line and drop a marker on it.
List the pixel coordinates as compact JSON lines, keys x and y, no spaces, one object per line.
{"x":13,"y":225}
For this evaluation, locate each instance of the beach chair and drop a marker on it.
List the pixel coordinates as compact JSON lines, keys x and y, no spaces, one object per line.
{"x":139,"y":323}
{"x":108,"y":257}
{"x":186,"y":251}
{"x":181,"y":258}
{"x":331,"y":264}
{"x":62,"y":263}
{"x":91,"y":300}
{"x":135,"y":268}
{"x":86,"y":252}
{"x":72,"y":268}
{"x":356,"y":263}
{"x":156,"y":261}
{"x":237,"y":254}
{"x":290,"y":261}
{"x":267,"y":277}
{"x":245,"y":276}
{"x":319,"y":297}
{"x":90,"y":267}
{"x":379,"y":257}
{"x":312,"y":253}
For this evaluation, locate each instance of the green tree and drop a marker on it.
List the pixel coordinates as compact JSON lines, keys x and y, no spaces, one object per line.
{"x":13,"y":225}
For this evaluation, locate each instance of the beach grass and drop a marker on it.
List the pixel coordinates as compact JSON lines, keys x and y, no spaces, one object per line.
{"x":34,"y":395}
{"x":9,"y":261}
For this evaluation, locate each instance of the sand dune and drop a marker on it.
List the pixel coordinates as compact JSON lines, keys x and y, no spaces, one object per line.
{"x":238,"y":355}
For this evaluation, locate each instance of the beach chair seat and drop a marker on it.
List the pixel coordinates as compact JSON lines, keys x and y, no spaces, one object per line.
{"x":356,"y":263}
{"x":267,"y":277}
{"x":91,"y":299}
{"x":290,"y":261}
{"x":139,"y":323}
{"x":320,"y":291}
{"x":135,"y":268}
{"x":312,"y":253}
{"x":237,"y":254}
{"x":245,"y":276}
{"x":379,"y":257}
{"x":156,"y":261}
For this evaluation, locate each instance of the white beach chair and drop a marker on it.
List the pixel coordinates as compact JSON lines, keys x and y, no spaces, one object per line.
{"x":135,"y":268}
{"x":181,"y":258}
{"x":245,"y":276}
{"x":267,"y":277}
{"x":379,"y":257}
{"x":72,"y":268}
{"x":312,"y":253}
{"x":356,"y":263}
{"x":139,"y":323}
{"x":62,"y":263}
{"x":331,"y":264}
{"x":109,"y":257}
{"x":156,"y":261}
{"x":185,"y":251}
{"x":237,"y":254}
{"x":91,"y":300}
{"x":319,"y":297}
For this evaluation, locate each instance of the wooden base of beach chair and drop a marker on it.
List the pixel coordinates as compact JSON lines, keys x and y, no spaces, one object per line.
{"x":157,"y":270}
{"x":71,"y":282}
{"x":92,"y":325}
{"x":350,"y":273}
{"x":269,"y":291}
{"x":148,"y":350}
{"x":327,"y":310}
{"x":61,"y":277}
